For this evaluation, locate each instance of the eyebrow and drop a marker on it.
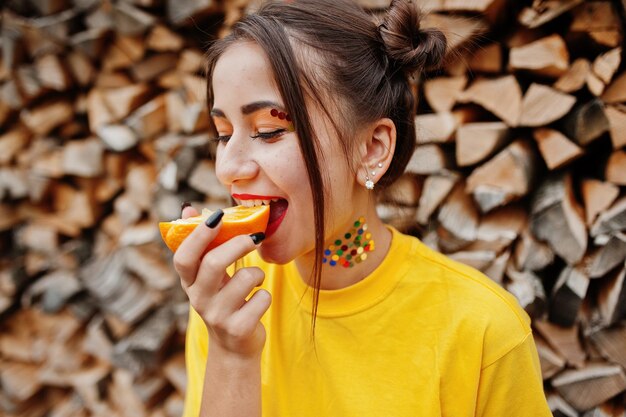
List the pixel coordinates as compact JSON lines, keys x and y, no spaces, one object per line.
{"x":250,"y":108}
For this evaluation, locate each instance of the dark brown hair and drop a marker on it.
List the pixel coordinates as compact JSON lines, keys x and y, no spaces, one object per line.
{"x":333,"y":53}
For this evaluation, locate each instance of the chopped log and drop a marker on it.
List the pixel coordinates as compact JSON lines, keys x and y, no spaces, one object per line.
{"x":109,"y":80}
{"x":11,"y":95}
{"x":118,"y":138}
{"x":611,"y":220}
{"x":120,"y":295}
{"x":586,"y":122}
{"x":436,"y":188}
{"x":596,"y":18}
{"x":478,"y":141}
{"x":130,"y":20}
{"x":442,"y":92}
{"x":543,"y":105}
{"x":191,"y":61}
{"x":487,"y":59}
{"x":161,"y":39}
{"x":528,"y":289}
{"x":182,"y":12}
{"x":458,"y":215}
{"x":122,"y":101}
{"x":501,"y":96}
{"x":28,"y":83}
{"x":600,"y":261}
{"x":46,"y":117}
{"x":397,"y":216}
{"x":83,"y":158}
{"x":617,"y":126}
{"x":559,"y":407}
{"x":203,"y":179}
{"x":147,"y":263}
{"x":556,"y":149}
{"x":457,"y":29}
{"x":557,"y":218}
{"x":591,"y":386}
{"x":595,"y":84}
{"x":616,"y":91}
{"x":531,"y":254}
{"x":405,"y":191}
{"x":545,"y":57}
{"x":194,"y":118}
{"x":544,"y":12}
{"x":52,"y":73}
{"x":612,"y":299}
{"x":174,"y":371}
{"x":143,"y":349}
{"x":153,"y":66}
{"x":75,"y":207}
{"x":564,"y":340}
{"x":12,"y":142}
{"x":616,"y":168}
{"x":610,"y":342}
{"x":98,"y":112}
{"x":435,"y":127}
{"x":19,"y":380}
{"x":428,"y":159}
{"x":476,"y":259}
{"x":504,"y":178}
{"x":550,"y":361}
{"x":567,"y":296}
{"x":606,"y":64}
{"x":597,"y":196}
{"x":90,"y":42}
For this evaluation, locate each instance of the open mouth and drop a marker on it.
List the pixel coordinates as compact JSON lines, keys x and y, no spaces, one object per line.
{"x":278,"y":209}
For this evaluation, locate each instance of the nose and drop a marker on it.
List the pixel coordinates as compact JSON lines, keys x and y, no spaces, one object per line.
{"x":235,"y":162}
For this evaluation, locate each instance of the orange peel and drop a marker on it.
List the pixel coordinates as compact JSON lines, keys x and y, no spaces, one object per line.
{"x":238,"y":220}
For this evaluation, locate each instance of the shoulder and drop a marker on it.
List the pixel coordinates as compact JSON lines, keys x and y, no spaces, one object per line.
{"x":475,"y":307}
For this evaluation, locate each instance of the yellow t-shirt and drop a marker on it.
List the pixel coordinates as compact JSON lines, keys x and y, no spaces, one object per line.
{"x":421,"y":336}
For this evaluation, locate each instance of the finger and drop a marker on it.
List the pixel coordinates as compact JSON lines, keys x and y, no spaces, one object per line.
{"x":188,"y":211}
{"x":233,"y":295}
{"x":248,"y":316}
{"x":216,"y":261}
{"x":187,"y":257}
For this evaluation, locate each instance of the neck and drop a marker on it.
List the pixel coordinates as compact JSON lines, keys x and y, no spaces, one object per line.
{"x":337,"y":277}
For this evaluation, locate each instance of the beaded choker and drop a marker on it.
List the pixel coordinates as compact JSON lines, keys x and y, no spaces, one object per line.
{"x":352,"y":249}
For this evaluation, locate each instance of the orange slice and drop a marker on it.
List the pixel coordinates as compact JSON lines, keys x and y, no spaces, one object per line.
{"x":239,"y":220}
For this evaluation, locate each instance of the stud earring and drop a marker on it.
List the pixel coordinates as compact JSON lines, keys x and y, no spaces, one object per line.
{"x":369,"y":184}
{"x":380,"y":165}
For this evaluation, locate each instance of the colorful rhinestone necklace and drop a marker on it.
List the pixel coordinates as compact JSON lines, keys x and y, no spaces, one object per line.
{"x":352,"y":249}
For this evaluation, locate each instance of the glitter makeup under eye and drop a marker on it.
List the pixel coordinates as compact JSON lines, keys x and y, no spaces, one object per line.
{"x":352,"y":249}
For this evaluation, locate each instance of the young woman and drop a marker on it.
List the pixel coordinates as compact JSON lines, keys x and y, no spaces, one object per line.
{"x":312,"y":105}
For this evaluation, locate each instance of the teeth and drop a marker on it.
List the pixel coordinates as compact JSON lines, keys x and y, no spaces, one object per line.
{"x":253,"y":203}
{"x":257,"y":202}
{"x":266,"y":202}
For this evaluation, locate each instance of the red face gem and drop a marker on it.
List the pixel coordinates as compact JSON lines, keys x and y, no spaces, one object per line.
{"x":288,"y":118}
{"x":281,"y":115}
{"x":274,"y":112}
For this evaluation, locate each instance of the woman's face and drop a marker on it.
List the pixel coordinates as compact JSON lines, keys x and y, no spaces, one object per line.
{"x":259,"y":159}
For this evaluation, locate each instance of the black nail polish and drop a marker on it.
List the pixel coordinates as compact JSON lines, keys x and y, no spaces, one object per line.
{"x":257,"y":237}
{"x":185,"y":205}
{"x":214,"y":219}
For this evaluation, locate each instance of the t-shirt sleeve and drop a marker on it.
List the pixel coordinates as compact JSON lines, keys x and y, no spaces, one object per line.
{"x":512,"y":385}
{"x":196,"y":345}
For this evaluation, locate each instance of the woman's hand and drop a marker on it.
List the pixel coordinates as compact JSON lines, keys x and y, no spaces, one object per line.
{"x":234,"y":325}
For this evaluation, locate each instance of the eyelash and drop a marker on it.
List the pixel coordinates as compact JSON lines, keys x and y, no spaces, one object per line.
{"x":261,"y":135}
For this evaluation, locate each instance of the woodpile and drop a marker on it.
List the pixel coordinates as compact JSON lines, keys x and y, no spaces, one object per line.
{"x":519,"y":171}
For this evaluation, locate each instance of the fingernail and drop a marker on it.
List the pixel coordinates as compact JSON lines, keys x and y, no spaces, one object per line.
{"x":185,"y":205}
{"x":257,"y":237}
{"x":214,"y":219}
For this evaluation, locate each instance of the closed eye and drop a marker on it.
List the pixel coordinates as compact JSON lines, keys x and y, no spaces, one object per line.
{"x":269,"y":135}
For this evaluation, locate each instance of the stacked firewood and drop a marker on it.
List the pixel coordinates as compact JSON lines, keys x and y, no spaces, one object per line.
{"x":519,"y":171}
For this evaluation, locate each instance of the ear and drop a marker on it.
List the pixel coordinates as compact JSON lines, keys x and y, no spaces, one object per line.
{"x":376,"y":151}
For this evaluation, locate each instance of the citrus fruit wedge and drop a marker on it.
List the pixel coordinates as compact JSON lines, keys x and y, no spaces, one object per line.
{"x":238,"y":220}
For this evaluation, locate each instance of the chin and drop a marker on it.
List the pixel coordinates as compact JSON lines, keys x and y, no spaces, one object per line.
{"x":274,"y":255}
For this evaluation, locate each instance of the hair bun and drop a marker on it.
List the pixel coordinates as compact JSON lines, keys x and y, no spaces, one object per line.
{"x":409,"y":46}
